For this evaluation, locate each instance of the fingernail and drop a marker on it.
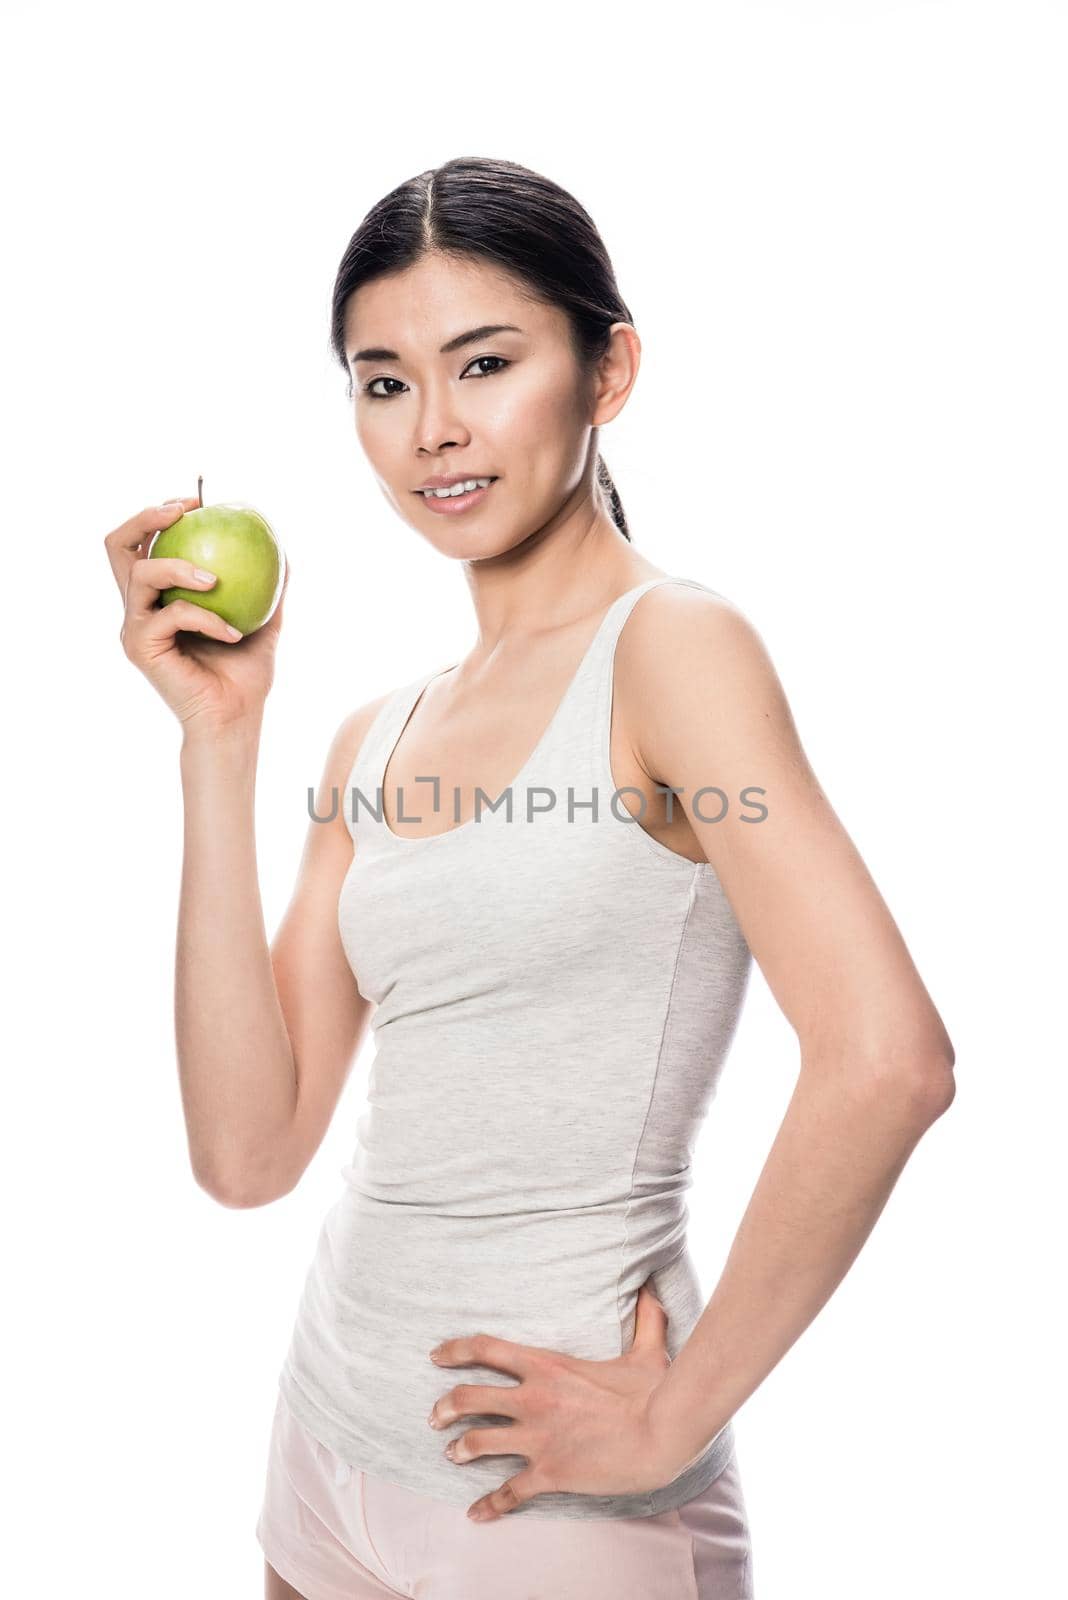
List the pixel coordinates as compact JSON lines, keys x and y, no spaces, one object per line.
{"x":204,"y":577}
{"x":235,"y":633}
{"x":169,"y":505}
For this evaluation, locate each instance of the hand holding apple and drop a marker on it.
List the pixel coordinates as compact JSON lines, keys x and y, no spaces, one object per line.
{"x":215,"y":682}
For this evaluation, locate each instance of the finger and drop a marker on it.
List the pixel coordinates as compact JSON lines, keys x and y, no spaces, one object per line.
{"x":183,"y":616}
{"x":483,"y":1350}
{"x":473,"y":1399}
{"x":150,"y":575}
{"x":524,"y":1486}
{"x":488,"y":1442}
{"x":650,"y":1322}
{"x":123,"y":542}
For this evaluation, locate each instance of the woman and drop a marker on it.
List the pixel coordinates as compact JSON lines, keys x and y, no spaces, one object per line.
{"x":555,"y":971}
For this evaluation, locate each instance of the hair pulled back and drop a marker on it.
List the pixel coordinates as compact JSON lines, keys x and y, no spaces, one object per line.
{"x":506,"y":214}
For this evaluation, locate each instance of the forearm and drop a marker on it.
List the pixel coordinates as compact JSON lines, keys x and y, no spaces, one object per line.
{"x":838,"y":1153}
{"x":235,"y":1061}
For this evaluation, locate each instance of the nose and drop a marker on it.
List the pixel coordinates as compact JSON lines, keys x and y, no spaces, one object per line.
{"x":438,"y":426}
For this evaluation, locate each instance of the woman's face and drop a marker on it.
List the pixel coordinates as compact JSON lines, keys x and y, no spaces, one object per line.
{"x":508,"y":404}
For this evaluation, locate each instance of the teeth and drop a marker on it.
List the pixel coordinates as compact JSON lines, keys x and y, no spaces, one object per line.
{"x":457,"y":488}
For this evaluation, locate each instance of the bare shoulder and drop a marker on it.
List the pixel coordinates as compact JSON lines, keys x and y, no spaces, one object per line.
{"x":353,"y":730}
{"x":685,"y":654}
{"x":350,"y":735}
{"x":675,"y":616}
{"x":340,"y":760}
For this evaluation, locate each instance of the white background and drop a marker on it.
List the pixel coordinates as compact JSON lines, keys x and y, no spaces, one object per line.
{"x":840,"y":232}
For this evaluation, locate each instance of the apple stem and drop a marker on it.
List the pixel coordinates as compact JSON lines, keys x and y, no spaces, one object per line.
{"x":200,"y":491}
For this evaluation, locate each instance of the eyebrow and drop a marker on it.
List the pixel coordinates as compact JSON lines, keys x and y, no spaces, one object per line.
{"x":379,"y":353}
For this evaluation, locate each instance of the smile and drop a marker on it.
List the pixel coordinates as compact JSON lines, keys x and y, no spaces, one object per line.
{"x":459,"y":497}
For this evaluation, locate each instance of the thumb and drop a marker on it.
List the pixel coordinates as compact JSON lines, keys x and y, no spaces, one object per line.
{"x":650,"y":1321}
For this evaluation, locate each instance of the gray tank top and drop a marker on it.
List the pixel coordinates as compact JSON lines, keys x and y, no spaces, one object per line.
{"x":555,"y":996}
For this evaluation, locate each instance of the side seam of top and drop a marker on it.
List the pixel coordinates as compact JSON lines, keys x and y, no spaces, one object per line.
{"x":691,"y":901}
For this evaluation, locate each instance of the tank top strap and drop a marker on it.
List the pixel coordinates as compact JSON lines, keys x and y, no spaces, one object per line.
{"x":575,"y":747}
{"x":379,"y":740}
{"x":599,"y":667}
{"x":604,"y":647}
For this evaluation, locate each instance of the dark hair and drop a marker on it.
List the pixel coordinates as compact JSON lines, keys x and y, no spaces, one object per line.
{"x":506,"y":214}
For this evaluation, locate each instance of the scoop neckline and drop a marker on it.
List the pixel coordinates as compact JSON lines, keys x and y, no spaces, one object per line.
{"x":475,"y":820}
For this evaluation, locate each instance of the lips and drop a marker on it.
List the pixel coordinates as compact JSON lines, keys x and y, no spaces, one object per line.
{"x":453,"y":504}
{"x":452,"y":482}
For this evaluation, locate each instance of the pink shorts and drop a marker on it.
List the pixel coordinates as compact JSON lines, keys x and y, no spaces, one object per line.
{"x":334,"y":1533}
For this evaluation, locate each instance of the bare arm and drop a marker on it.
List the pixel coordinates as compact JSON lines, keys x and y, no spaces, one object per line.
{"x":875,"y":1058}
{"x":265,"y":1038}
{"x":236,"y":1065}
{"x":326,"y":1015}
{"x":266,"y":1035}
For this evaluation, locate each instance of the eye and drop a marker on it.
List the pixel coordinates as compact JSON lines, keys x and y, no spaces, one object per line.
{"x":369,"y":390}
{"x":500,"y":368}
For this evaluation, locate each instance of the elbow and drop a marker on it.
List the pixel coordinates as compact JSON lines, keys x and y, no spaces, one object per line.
{"x":241,"y":1192}
{"x":921,"y":1080}
{"x":937,"y":1080}
{"x":939,"y":1083}
{"x":930,"y":1082}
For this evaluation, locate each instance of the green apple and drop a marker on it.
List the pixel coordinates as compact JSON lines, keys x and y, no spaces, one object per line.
{"x":238,"y":545}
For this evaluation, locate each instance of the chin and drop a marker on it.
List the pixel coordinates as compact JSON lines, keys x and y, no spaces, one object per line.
{"x":472,"y":546}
